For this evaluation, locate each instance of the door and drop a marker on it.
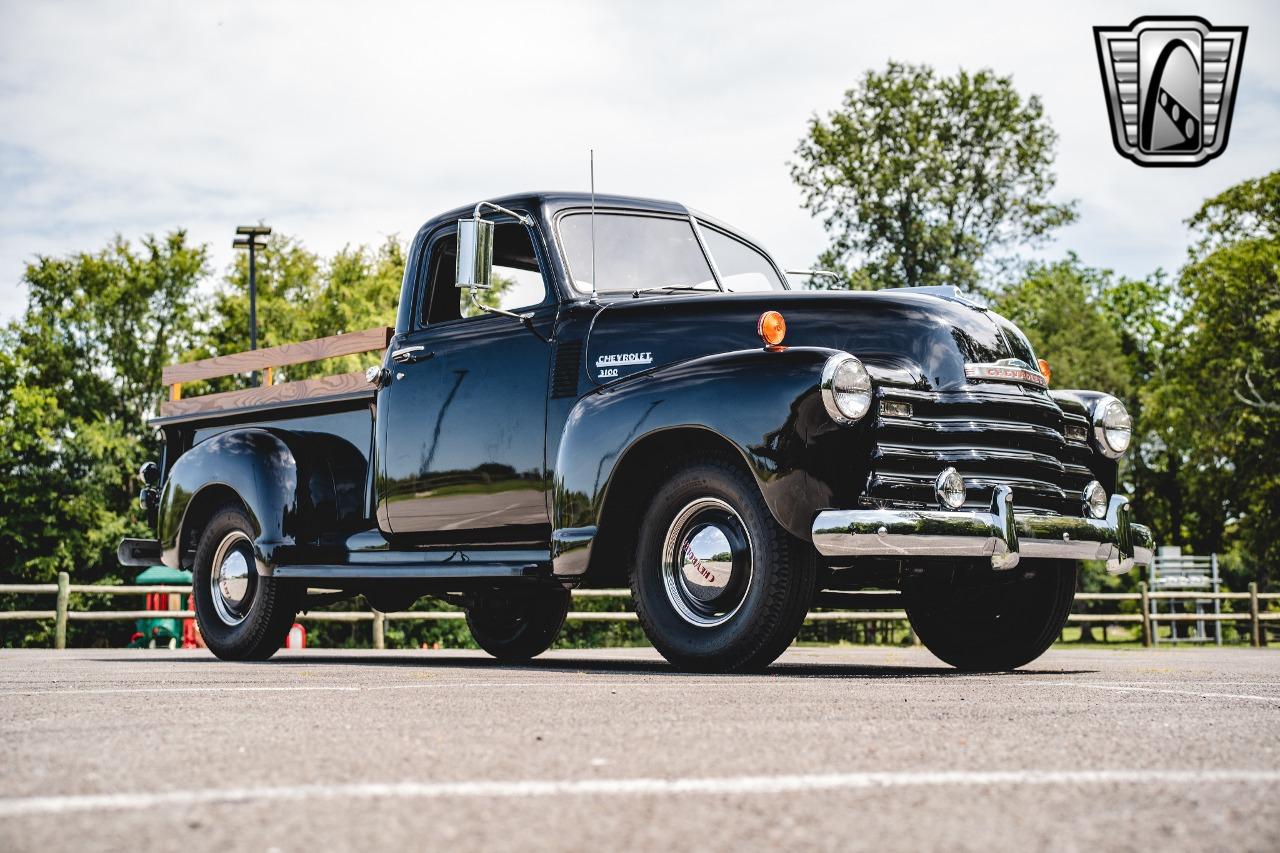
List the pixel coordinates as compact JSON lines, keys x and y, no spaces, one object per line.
{"x":462,"y":424}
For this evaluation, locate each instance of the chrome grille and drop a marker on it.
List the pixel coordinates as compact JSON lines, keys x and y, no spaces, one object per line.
{"x":991,"y":436}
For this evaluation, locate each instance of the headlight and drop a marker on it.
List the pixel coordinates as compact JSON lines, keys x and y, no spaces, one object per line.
{"x":846,"y":389}
{"x":1112,"y":427}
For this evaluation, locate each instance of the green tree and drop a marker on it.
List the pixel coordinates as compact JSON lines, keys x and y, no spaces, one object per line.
{"x":361,"y":288}
{"x":289,"y":286}
{"x":925,"y":180}
{"x":1222,"y":401}
{"x":1067,"y":311}
{"x":1123,"y":336}
{"x":100,"y":326}
{"x":1060,"y":308}
{"x":301,"y":296}
{"x":79,"y":374}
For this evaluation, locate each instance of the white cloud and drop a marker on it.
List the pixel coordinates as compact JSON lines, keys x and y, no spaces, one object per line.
{"x":340,"y":123}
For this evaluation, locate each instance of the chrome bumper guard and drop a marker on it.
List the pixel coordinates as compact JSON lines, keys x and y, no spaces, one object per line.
{"x":1001,"y":534}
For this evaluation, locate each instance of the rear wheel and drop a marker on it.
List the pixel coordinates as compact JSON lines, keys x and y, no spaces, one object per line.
{"x":719,"y":585}
{"x":981,"y":620}
{"x":242,"y":614}
{"x":516,"y":628}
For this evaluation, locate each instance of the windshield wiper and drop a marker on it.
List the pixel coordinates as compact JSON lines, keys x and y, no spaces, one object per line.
{"x":695,"y":288}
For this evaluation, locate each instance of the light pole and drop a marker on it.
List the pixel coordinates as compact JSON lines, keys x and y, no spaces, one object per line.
{"x":252,"y":237}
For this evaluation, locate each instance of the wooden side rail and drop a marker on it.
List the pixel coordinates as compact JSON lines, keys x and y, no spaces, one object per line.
{"x":351,"y":343}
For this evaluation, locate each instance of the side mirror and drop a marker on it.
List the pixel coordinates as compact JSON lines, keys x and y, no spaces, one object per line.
{"x":475,"y":253}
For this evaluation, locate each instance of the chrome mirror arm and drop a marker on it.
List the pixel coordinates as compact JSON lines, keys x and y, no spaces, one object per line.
{"x":524,"y":318}
{"x":519,"y":217}
{"x":815,"y":273}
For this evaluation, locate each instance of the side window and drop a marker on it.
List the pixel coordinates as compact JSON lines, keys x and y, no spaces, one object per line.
{"x":517,"y":278}
{"x":741,"y":267}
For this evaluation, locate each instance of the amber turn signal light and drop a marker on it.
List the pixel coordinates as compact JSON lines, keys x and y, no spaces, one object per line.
{"x":1044,"y":369}
{"x":772,"y":328}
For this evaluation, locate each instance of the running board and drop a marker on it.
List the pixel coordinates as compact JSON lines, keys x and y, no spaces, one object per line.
{"x":413,"y":571}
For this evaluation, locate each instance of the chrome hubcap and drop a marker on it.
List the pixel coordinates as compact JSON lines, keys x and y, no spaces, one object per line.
{"x":233,"y":578}
{"x":706,"y":565}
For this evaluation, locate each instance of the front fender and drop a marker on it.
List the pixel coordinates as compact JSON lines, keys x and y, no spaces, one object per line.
{"x":766,"y":404}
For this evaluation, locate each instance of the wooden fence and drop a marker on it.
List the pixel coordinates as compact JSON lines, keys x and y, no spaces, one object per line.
{"x":64,"y":589}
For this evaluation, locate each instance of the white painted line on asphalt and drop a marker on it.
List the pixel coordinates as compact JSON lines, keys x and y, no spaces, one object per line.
{"x":1192,"y":683}
{"x":1203,"y":694}
{"x":730,"y":785}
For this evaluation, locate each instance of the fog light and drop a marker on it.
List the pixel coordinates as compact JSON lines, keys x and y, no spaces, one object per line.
{"x":950,"y":489}
{"x":894,"y":409}
{"x":1095,"y":499}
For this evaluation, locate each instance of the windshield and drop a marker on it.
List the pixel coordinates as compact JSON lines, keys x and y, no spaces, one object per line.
{"x":639,"y":252}
{"x":634,"y":252}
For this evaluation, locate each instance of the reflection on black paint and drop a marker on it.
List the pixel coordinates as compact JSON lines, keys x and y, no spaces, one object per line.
{"x":435,"y":433}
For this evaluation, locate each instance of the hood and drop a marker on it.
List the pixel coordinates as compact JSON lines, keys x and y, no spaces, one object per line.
{"x":920,"y":340}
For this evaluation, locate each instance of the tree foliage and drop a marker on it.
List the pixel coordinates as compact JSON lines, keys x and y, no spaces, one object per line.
{"x":1062,"y":309}
{"x":1222,"y":403}
{"x":922,"y":179}
{"x":79,"y":375}
{"x":301,"y":296}
{"x":1197,"y":361}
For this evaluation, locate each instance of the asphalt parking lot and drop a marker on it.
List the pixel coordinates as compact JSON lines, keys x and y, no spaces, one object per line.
{"x":866,"y":748}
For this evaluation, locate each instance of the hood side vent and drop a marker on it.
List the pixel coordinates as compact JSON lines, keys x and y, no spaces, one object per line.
{"x":565,"y":367}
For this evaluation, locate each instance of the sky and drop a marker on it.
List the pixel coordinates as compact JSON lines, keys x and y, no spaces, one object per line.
{"x":341,"y":124}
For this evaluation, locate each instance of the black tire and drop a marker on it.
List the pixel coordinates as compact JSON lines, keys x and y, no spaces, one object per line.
{"x":515,"y":628}
{"x":257,"y":627}
{"x":730,"y":615}
{"x":980,"y":620}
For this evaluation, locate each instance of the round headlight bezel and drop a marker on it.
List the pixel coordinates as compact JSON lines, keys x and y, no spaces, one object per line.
{"x":1111,"y":420}
{"x":847,"y":392}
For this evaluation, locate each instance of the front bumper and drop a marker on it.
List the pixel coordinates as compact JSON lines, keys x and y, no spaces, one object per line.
{"x":1000,"y":534}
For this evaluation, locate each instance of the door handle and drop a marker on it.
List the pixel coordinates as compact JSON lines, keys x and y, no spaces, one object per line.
{"x":408,"y":355}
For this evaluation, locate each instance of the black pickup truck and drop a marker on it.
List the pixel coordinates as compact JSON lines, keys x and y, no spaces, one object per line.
{"x":594,"y":392}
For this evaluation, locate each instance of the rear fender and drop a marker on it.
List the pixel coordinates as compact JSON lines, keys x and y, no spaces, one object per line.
{"x":294,"y":486}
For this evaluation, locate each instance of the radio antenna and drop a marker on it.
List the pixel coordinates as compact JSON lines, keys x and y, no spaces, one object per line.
{"x":594,"y":297}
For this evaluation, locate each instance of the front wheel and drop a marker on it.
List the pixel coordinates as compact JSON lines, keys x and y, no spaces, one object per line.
{"x":980,"y":620}
{"x":719,"y":585}
{"x":242,"y":615}
{"x":516,"y":628}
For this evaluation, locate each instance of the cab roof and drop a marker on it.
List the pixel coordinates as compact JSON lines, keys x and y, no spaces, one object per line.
{"x":549,"y":203}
